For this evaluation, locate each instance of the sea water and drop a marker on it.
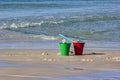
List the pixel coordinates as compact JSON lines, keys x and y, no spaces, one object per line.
{"x":105,"y":75}
{"x":95,"y":20}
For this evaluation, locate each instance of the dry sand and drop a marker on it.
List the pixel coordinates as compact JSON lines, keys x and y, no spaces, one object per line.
{"x":38,"y":64}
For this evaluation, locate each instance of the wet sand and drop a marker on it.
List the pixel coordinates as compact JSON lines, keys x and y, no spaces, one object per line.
{"x":42,"y":64}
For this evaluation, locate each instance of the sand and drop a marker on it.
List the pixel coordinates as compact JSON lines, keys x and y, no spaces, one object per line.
{"x":40,"y":64}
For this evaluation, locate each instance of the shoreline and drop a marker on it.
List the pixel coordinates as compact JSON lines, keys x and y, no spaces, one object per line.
{"x":54,"y":44}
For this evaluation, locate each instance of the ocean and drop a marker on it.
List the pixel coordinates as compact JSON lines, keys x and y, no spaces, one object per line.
{"x":95,"y":20}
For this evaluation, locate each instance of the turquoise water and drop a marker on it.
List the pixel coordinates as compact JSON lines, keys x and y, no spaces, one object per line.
{"x":78,"y":19}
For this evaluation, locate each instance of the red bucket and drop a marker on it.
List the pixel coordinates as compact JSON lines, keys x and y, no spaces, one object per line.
{"x":78,"y":47}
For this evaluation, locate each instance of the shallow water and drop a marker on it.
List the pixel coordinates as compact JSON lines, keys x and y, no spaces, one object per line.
{"x":7,"y":64}
{"x":105,"y":75}
{"x":54,"y":44}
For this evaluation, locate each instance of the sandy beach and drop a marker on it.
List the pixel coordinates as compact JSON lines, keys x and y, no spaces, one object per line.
{"x":30,"y":39}
{"x":46,"y":64}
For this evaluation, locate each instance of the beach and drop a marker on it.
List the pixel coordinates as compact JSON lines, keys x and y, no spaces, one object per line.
{"x":29,"y":39}
{"x":48,"y":64}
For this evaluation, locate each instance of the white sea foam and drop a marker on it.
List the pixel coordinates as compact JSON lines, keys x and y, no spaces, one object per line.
{"x":48,"y":17}
{"x":44,"y":37}
{"x":29,"y":24}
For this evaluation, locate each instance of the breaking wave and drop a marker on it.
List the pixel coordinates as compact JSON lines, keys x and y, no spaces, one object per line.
{"x":21,"y":23}
{"x":48,"y":27}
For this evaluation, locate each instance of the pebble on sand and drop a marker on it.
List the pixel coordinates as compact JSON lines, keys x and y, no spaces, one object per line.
{"x":88,"y":60}
{"x":58,"y":53}
{"x":44,"y":53}
{"x":45,"y":59}
{"x":50,"y":60}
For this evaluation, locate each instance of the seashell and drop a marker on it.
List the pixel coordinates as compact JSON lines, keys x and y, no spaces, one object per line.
{"x":91,"y":60}
{"x":45,"y":59}
{"x":50,"y":60}
{"x":58,"y":53}
{"x":83,"y":60}
{"x":44,"y":53}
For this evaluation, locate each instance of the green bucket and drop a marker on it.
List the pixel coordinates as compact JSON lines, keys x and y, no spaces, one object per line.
{"x":64,"y":48}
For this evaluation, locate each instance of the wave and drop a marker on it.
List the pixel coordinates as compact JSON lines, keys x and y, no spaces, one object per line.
{"x":31,"y":5}
{"x":36,"y":24}
{"x":93,"y":19}
{"x":48,"y":27}
{"x":38,"y":5}
{"x":45,"y":37}
{"x":22,"y":23}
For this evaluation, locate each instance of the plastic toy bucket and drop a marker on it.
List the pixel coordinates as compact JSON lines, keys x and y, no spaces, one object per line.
{"x":64,"y":48}
{"x":78,"y":47}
